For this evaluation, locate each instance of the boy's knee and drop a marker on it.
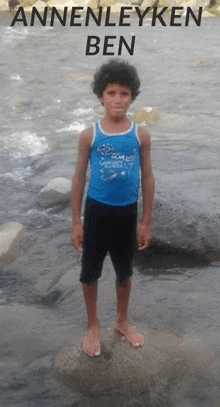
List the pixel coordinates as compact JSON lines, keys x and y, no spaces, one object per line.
{"x":90,"y":284}
{"x":124,"y":283}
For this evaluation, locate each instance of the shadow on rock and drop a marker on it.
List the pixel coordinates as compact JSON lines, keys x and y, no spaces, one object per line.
{"x":159,"y":258}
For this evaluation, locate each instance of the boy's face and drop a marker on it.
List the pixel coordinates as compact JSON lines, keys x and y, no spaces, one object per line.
{"x":116,"y":99}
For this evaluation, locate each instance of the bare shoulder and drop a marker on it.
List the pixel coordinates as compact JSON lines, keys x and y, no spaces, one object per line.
{"x":144,"y":137}
{"x":85,"y":138}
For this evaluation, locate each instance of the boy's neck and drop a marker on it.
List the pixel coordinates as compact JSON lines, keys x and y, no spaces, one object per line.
{"x":111,"y":125}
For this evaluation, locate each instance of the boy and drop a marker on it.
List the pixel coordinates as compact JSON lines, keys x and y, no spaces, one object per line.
{"x":116,"y":150}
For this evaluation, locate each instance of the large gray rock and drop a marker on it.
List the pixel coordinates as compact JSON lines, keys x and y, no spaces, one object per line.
{"x":122,"y":369}
{"x":9,"y":234}
{"x":183,"y":225}
{"x":57,"y":191}
{"x":186,"y":211}
{"x":54,"y":286}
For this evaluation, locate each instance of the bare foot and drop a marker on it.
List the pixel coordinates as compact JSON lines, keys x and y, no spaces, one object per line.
{"x":91,"y":343}
{"x":133,"y":336}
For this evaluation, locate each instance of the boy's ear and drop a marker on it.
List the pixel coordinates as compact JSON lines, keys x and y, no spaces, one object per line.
{"x":101,"y":100}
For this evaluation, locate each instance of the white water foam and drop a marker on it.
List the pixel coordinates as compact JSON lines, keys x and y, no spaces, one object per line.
{"x":19,"y":174}
{"x":16,"y":77}
{"x":26,"y":144}
{"x":75,"y":126}
{"x":11,"y":34}
{"x":82,"y":111}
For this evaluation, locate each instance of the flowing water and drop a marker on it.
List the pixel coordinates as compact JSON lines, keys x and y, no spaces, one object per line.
{"x":45,"y":102}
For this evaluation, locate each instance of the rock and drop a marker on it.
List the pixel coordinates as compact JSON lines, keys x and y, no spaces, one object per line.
{"x":122,"y":369}
{"x":207,"y":14}
{"x":27,"y":3}
{"x":69,"y":280}
{"x":51,"y":287}
{"x":201,"y":62}
{"x":9,"y":233}
{"x":60,"y":4}
{"x":20,"y":103}
{"x":57,"y":191}
{"x":182,"y":225}
{"x":146,"y":115}
{"x":12,"y":4}
{"x":40,"y":6}
{"x":186,"y":211}
{"x":78,"y":76}
{"x":4,"y":6}
{"x":194,"y":4}
{"x":215,"y":8}
{"x":147,"y":3}
{"x":105,"y":3}
{"x":116,"y":7}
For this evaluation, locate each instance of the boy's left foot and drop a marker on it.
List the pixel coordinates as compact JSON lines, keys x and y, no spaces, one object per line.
{"x":133,"y":336}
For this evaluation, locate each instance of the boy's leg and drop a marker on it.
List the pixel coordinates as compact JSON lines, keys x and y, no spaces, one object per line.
{"x":94,"y":252}
{"x":91,"y":344}
{"x":121,"y":322}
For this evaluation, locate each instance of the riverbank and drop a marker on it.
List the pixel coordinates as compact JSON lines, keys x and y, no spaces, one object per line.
{"x":208,"y":7}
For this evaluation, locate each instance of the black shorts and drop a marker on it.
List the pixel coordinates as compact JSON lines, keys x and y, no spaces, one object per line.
{"x":108,"y":229}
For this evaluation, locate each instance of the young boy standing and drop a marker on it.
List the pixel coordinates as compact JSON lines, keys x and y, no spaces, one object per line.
{"x":116,"y":150}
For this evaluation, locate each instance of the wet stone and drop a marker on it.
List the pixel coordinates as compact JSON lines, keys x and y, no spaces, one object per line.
{"x":150,"y":370}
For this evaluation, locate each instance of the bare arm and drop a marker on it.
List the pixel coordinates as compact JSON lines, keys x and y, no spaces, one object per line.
{"x":147,"y":184}
{"x":78,"y":185}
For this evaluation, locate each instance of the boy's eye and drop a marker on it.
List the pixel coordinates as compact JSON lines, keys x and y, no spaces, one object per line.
{"x":110,"y":92}
{"x":125,"y":93}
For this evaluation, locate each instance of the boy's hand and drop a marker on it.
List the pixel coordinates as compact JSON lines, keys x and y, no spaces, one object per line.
{"x":143,"y":237}
{"x":77,"y":237}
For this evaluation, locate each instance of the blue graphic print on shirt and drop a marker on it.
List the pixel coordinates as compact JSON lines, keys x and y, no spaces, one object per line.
{"x":114,"y":167}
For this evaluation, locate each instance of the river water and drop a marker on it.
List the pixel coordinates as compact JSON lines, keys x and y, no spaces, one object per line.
{"x":45,"y":102}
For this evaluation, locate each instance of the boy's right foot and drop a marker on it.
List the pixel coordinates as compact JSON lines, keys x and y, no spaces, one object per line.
{"x":91,"y":343}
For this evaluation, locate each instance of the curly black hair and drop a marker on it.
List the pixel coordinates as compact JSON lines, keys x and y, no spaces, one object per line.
{"x":116,"y":71}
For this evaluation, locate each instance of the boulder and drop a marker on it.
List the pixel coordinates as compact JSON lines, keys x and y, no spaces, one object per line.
{"x":146,"y":115}
{"x":149,"y":370}
{"x":194,"y":4}
{"x":60,"y":4}
{"x":147,"y":3}
{"x":57,"y":191}
{"x":40,"y":6}
{"x":116,"y":7}
{"x":9,"y":233}
{"x":4,"y":5}
{"x":215,"y":8}
{"x":106,"y":3}
{"x":27,"y":3}
{"x":186,"y":206}
{"x":182,"y":225}
{"x":54,"y":286}
{"x":207,"y":14}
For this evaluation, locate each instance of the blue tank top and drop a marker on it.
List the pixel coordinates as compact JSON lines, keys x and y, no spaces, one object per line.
{"x":114,"y":166}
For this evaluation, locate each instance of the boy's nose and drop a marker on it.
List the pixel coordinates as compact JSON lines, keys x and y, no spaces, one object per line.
{"x":118,"y":97}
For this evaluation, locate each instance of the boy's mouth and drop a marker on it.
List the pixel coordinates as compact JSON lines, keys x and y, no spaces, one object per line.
{"x":117,"y":107}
